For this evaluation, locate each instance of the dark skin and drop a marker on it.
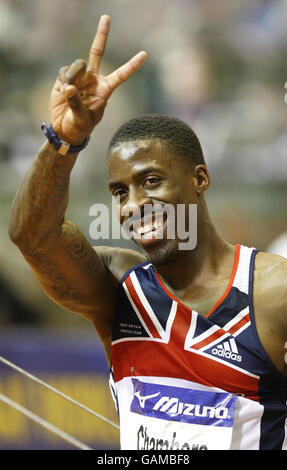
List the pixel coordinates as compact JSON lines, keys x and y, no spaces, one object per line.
{"x":84,"y":279}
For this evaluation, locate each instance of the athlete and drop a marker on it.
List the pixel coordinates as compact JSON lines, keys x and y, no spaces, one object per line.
{"x":195,"y":337}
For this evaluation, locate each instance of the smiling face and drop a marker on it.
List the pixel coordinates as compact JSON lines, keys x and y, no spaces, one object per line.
{"x":147,"y":173}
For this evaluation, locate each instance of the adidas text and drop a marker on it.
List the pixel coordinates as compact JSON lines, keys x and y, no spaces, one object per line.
{"x":227,"y":354}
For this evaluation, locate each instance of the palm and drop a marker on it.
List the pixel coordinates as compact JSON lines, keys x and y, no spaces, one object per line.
{"x":78,"y":106}
{"x":93,"y":91}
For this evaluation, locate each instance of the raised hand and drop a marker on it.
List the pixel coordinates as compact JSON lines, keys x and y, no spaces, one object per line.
{"x":80,"y":93}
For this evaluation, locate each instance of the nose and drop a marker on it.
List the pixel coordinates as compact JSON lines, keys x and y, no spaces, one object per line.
{"x":134,"y":204}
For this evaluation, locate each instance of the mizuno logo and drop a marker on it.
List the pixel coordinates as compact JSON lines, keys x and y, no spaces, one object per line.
{"x":172,"y":406}
{"x":228,"y":350}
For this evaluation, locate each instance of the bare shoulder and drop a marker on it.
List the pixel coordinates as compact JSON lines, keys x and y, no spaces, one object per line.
{"x":119,"y":260}
{"x":270,"y":285}
{"x":271,"y":269}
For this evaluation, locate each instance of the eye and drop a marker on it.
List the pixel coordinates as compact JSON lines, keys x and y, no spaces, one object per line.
{"x":120,"y":192}
{"x":151,"y":181}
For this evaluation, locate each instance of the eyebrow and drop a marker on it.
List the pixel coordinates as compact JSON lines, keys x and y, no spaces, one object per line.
{"x":143,"y":172}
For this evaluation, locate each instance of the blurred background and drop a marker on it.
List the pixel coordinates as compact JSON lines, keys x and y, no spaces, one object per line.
{"x":219,"y":66}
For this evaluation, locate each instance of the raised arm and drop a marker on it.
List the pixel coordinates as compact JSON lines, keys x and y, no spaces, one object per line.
{"x":69,"y":270}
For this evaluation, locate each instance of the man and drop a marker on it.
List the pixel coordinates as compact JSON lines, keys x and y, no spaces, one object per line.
{"x":195,"y":337}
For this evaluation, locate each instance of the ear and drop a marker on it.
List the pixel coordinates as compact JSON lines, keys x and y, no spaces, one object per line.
{"x":201,"y":178}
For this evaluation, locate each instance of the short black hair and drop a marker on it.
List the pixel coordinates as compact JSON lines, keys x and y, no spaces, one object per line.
{"x":170,"y":130}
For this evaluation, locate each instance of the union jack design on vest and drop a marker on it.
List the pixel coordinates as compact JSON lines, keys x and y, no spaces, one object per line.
{"x":159,"y":340}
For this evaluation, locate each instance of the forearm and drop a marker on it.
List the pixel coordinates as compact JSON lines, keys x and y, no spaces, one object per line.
{"x":39,"y":207}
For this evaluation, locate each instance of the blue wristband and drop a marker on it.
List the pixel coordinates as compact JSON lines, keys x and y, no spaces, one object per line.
{"x":62,"y":147}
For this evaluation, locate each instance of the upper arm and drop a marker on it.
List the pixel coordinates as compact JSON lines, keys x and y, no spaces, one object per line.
{"x":279,"y":284}
{"x":270,"y":306}
{"x":75,"y":276}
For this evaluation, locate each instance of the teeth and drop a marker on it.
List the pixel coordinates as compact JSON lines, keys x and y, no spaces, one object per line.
{"x":144,"y":229}
{"x":148,"y":228}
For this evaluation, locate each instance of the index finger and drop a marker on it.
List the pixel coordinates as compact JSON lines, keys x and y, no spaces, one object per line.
{"x":98,"y":47}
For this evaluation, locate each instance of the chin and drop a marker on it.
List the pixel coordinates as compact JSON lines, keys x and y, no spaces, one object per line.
{"x":162,"y":254}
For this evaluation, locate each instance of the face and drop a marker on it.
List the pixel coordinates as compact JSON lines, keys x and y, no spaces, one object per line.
{"x":146,"y":174}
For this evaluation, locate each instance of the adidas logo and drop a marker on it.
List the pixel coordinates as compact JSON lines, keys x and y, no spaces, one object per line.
{"x":228,"y":350}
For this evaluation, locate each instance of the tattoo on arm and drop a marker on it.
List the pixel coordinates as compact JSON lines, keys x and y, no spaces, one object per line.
{"x":39,"y":206}
{"x":70,"y":271}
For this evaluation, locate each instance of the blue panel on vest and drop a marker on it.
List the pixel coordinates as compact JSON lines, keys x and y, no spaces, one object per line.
{"x":182,"y":404}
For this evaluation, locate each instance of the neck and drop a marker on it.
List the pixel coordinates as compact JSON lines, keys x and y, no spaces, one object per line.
{"x":201,"y":263}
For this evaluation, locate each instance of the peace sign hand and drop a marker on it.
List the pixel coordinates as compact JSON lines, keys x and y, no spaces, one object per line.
{"x":80,"y":93}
